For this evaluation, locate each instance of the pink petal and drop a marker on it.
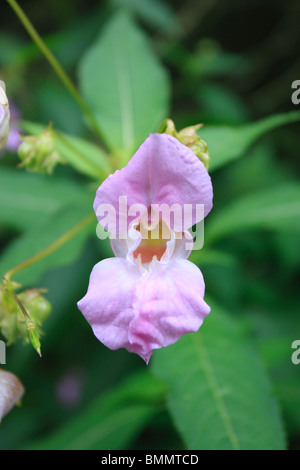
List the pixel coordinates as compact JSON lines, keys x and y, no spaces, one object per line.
{"x":169,"y":304}
{"x":107,"y":306}
{"x":180,"y":245}
{"x":162,"y":171}
{"x":140,"y":310}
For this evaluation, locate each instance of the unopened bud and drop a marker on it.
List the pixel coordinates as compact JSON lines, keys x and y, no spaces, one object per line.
{"x":22,"y":315}
{"x":199,"y":148}
{"x":35,"y":341}
{"x":38,"y":153}
{"x":37,"y":306}
{"x":188,"y":136}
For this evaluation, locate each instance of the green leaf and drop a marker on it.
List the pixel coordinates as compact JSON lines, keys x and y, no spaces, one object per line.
{"x":125,"y":85}
{"x":221,"y":105}
{"x":84,"y":156}
{"x":219,"y":395}
{"x":112,"y":421}
{"x":155,"y":13}
{"x":209,"y":60}
{"x":277,"y":208}
{"x":43,"y":235}
{"x":26,"y":199}
{"x":206,"y":257}
{"x":227,"y":143}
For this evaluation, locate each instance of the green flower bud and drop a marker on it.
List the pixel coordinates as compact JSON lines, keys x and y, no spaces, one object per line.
{"x":200,"y":150}
{"x":188,"y":136}
{"x":22,"y":315}
{"x":35,"y":341}
{"x":37,"y":306}
{"x":38,"y":153}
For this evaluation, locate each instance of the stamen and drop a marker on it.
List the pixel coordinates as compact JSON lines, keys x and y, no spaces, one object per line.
{"x":154,"y":242}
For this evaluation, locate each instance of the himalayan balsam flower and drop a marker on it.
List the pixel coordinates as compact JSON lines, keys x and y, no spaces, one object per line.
{"x":149,"y":295}
{"x":4,"y":116}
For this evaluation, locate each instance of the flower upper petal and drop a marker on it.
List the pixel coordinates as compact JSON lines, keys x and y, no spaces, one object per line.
{"x":162,"y":171}
{"x":143,"y":310}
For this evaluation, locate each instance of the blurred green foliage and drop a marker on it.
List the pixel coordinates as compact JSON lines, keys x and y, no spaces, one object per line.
{"x":229,"y":65}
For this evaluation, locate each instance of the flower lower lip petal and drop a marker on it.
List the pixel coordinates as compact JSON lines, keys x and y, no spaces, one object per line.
{"x":144,"y":312}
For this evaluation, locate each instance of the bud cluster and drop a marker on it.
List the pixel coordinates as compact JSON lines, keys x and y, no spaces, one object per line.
{"x":22,"y":315}
{"x":38,"y":153}
{"x":188,"y":136}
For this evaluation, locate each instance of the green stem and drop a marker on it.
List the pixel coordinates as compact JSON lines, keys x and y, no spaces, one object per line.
{"x":56,"y":66}
{"x":51,"y":248}
{"x":18,"y":302}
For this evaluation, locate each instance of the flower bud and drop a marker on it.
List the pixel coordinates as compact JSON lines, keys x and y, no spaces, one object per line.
{"x":4,"y":116}
{"x":22,"y":315}
{"x":36,"y":305}
{"x":38,"y":153}
{"x":188,"y":136}
{"x":199,"y":147}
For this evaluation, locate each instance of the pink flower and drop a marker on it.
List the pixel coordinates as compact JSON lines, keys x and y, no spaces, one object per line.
{"x":149,"y":295}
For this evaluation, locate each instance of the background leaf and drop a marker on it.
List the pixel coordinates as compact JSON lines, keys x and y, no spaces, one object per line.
{"x":112,"y":421}
{"x":83,"y":155}
{"x":223,"y":399}
{"x":227,"y":143}
{"x":125,"y":85}
{"x":42,"y":235}
{"x":26,"y":199}
{"x":155,"y":13}
{"x":276,"y":208}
